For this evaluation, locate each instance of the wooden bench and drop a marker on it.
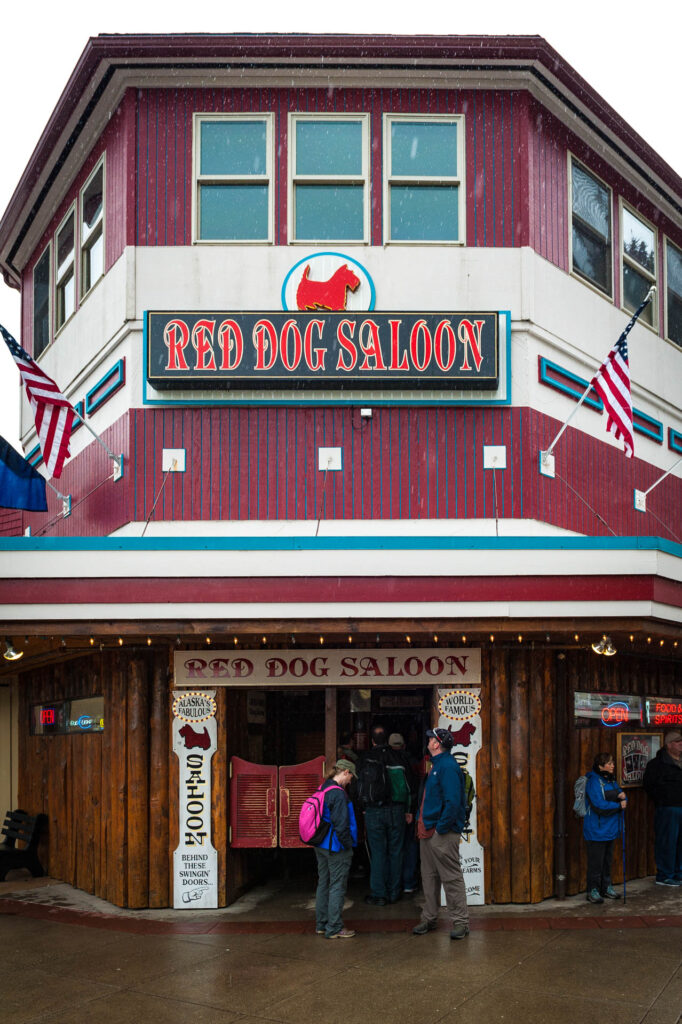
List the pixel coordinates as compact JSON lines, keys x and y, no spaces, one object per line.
{"x":24,"y":828}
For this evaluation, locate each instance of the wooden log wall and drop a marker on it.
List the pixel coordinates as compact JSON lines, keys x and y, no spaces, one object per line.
{"x":105,"y":794}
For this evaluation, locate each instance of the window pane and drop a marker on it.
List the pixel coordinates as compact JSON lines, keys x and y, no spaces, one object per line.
{"x":425,"y":213}
{"x":65,"y":245}
{"x":635,"y":287}
{"x":591,"y":257}
{"x":233,"y":147}
{"x":330,"y":212}
{"x":93,"y":263}
{"x":328,"y":147}
{"x":41,"y":304}
{"x":92,"y":203}
{"x":591,"y":202}
{"x":674,"y":294}
{"x":66,"y":295}
{"x":233,"y":211}
{"x":422,"y":149}
{"x":638,"y":241}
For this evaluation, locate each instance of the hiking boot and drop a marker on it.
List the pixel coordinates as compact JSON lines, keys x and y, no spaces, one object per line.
{"x":423,"y":927}
{"x":611,"y":894}
{"x":459,"y":931}
{"x":345,"y":933}
{"x":594,"y":897}
{"x":376,"y":901}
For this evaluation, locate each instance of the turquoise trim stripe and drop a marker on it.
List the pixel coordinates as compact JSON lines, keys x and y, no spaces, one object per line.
{"x":547,"y":368}
{"x":651,"y":428}
{"x":8,"y":544}
{"x":674,"y":440}
{"x":114,"y":379}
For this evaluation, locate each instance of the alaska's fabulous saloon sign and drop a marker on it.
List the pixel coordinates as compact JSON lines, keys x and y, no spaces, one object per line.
{"x":322,"y":349}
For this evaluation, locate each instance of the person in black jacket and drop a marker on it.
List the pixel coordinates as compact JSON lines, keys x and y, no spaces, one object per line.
{"x":663,"y":783}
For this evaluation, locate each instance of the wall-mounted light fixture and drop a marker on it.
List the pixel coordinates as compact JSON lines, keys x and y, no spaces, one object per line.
{"x":10,"y":654}
{"x":604,"y":646}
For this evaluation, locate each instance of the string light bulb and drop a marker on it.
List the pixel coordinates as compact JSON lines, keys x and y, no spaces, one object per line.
{"x":435,"y":638}
{"x":149,"y":641}
{"x":120,"y":641}
{"x":464,"y":639}
{"x":92,"y":641}
{"x":492,"y":638}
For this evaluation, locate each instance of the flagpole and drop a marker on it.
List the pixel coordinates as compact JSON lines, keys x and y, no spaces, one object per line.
{"x":64,"y":498}
{"x":640,"y":496}
{"x":116,"y":459}
{"x":547,"y":456}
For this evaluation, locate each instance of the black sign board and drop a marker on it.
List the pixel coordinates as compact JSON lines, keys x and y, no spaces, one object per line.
{"x":322,"y":349}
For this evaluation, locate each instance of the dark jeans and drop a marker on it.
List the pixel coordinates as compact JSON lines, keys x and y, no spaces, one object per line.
{"x":332,"y":879}
{"x":410,"y":858}
{"x":599,"y":860}
{"x":668,"y":842}
{"x":385,"y":828}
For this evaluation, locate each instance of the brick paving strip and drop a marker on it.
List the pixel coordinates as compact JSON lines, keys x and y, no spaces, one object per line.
{"x":147,"y":926}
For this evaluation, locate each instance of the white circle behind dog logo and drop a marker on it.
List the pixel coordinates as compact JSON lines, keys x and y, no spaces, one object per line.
{"x":328,"y":281}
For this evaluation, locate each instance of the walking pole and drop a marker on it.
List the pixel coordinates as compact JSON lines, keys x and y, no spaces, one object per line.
{"x":625,"y":898}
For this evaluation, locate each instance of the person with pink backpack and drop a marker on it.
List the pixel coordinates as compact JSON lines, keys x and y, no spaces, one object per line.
{"x":327,"y":822}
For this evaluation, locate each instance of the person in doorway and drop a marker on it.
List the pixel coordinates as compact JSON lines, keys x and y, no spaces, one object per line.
{"x":440,"y":820}
{"x":605,"y":802}
{"x":663,"y":784}
{"x":345,"y":748}
{"x":335,"y":852}
{"x":410,"y":845}
{"x":384,"y":821}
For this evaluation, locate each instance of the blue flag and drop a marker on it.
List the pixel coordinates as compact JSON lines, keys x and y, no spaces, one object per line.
{"x":21,"y":486}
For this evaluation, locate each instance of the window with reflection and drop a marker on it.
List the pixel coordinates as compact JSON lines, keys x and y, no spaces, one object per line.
{"x":65,"y":271}
{"x":233,"y":167}
{"x":41,"y":304}
{"x":673,"y":293}
{"x":639,"y":263}
{"x":329,"y":178}
{"x":591,"y":234}
{"x":92,"y":230}
{"x":424,"y":179}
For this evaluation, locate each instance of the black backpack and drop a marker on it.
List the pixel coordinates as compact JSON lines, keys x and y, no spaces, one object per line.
{"x":374,"y":786}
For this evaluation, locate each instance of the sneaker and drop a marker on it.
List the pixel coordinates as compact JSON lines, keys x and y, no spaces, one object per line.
{"x":668,"y":881}
{"x":611,"y":894}
{"x":345,"y":933}
{"x":376,"y":901}
{"x":408,"y":892}
{"x":320,"y":931}
{"x":423,"y":927}
{"x":460,"y":931}
{"x":594,"y":897}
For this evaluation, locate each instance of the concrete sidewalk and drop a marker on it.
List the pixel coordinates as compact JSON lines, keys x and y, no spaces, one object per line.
{"x":69,"y":956}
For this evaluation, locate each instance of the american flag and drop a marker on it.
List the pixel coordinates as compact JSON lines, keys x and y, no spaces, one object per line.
{"x":612,"y":384}
{"x":54,"y":414}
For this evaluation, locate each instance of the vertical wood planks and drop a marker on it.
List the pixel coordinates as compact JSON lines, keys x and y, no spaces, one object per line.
{"x":137,"y":770}
{"x":159,"y":758}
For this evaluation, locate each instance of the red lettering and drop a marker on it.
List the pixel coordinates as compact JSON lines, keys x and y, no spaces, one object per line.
{"x":373,"y":349}
{"x":202,"y":339}
{"x":320,"y":353}
{"x":434,"y":666}
{"x":290,"y":327}
{"x":348,"y":667}
{"x":445,"y":328}
{"x":264,"y":337}
{"x":276,"y":667}
{"x":175,"y":338}
{"x":231,"y":343}
{"x":347,"y":345}
{"x":470,"y":337}
{"x":414,"y":666}
{"x":195,"y":668}
{"x":420,"y":328}
{"x":395,"y":348}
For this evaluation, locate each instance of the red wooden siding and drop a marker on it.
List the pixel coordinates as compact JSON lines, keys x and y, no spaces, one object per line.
{"x":164,"y":153}
{"x":261,"y":463}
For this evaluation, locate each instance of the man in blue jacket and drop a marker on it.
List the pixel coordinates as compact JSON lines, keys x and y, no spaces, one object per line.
{"x":441,"y":818}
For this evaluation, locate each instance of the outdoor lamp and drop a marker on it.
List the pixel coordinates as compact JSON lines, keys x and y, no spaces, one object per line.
{"x":10,"y":654}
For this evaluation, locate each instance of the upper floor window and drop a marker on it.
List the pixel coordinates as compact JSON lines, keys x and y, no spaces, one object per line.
{"x":639,"y":263}
{"x":591,"y":236}
{"x":424,"y":188}
{"x":673,"y":262}
{"x":41,"y":304}
{"x":233,"y":168}
{"x":92,"y":230}
{"x":329,"y":193}
{"x":65,"y":275}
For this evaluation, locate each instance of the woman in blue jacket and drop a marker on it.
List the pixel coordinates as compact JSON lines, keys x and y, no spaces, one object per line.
{"x":335,"y":852}
{"x":605,"y":802}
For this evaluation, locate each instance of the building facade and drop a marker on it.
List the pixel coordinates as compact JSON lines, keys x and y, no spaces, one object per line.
{"x":327,"y":300}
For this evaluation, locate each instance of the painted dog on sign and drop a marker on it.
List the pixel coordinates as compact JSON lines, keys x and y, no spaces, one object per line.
{"x":462,"y":736}
{"x":329,"y":294}
{"x":195,"y":739}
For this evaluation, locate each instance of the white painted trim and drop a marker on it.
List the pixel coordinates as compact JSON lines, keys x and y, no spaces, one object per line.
{"x":571,"y":158}
{"x":81,"y":248}
{"x":625,"y":259}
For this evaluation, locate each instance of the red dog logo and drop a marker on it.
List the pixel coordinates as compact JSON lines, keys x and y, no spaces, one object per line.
{"x":195,"y":739}
{"x":462,"y":737}
{"x":329,"y":294}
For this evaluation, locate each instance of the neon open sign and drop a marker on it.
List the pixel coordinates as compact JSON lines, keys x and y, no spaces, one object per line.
{"x":615,"y":714}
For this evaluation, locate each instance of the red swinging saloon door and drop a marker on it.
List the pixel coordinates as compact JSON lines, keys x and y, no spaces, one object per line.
{"x":253,"y":804}
{"x":296,"y":782}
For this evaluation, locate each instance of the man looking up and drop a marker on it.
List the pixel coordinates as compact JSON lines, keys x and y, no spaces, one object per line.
{"x":441,"y":818}
{"x":663,"y":783}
